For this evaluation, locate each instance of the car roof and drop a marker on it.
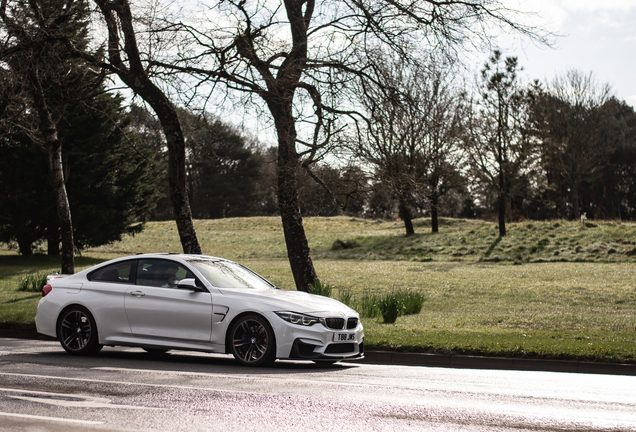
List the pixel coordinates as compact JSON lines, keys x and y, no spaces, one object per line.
{"x":178,"y":257}
{"x":161,"y":255}
{"x":175,"y":255}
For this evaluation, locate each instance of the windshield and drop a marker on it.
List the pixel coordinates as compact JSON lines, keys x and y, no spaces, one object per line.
{"x":223,"y":274}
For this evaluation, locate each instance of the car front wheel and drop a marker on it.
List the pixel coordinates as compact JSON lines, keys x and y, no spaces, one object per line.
{"x":77,"y":331}
{"x":252,"y":340}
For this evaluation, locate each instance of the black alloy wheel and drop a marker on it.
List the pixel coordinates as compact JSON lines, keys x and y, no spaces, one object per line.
{"x":252,"y":340}
{"x":77,"y":331}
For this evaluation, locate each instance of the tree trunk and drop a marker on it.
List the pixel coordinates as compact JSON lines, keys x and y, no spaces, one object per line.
{"x":575,"y":202}
{"x":434,"y":221}
{"x":63,"y":208}
{"x":52,"y":242}
{"x":24,"y":246}
{"x":405,"y":215}
{"x":502,"y":214}
{"x":508,"y":207}
{"x":295,"y":238}
{"x":177,"y":178}
{"x":53,"y":146}
{"x":136,"y":78}
{"x":502,"y":202}
{"x":53,"y":237}
{"x":601,"y":206}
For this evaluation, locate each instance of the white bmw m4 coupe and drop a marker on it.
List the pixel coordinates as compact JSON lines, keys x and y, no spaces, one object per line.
{"x":161,"y":302}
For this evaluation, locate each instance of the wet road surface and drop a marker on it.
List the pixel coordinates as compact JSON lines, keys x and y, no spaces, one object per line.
{"x":44,"y":389}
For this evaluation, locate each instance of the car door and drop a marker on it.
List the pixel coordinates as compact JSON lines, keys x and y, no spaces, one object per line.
{"x":104,"y":293}
{"x":159,"y":311}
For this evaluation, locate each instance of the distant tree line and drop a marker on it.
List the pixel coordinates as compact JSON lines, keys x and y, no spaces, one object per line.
{"x":512,"y":150}
{"x":569,"y":148}
{"x":520,"y":150}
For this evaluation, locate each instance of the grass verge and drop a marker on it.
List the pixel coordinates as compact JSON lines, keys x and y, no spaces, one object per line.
{"x":577,"y":304}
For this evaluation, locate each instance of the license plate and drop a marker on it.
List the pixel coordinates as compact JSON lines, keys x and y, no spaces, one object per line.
{"x":344,"y":337}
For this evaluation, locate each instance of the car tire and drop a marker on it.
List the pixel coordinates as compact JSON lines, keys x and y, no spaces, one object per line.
{"x":77,"y":331}
{"x":252,"y":341}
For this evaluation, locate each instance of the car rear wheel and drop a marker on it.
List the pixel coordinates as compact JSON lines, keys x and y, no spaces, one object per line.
{"x":77,"y":331}
{"x":252,"y":340}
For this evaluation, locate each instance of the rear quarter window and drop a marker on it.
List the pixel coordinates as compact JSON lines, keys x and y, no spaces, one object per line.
{"x":117,"y":273}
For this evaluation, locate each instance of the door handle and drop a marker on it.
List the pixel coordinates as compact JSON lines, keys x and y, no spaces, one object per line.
{"x":137,"y":293}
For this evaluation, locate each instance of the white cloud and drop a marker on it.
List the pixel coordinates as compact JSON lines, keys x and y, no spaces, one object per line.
{"x":598,"y":5}
{"x":546,"y":13}
{"x":554,"y":14}
{"x":598,"y":35}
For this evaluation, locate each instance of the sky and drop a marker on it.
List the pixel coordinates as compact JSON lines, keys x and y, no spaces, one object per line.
{"x":598,"y":36}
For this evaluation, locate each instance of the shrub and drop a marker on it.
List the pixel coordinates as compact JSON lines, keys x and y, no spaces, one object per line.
{"x":347,"y":244}
{"x":345,"y":295}
{"x":390,"y":307}
{"x":367,"y":304}
{"x":413,"y":301}
{"x":32,"y":282}
{"x":397,"y":303}
{"x":321,"y":289}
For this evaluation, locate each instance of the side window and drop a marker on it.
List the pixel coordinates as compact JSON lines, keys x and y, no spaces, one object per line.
{"x":161,"y":273}
{"x":118,"y":273}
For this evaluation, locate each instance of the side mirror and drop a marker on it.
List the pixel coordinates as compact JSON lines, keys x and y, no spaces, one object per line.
{"x":189,"y":284}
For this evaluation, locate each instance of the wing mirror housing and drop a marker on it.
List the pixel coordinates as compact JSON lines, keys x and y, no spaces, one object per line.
{"x":189,"y":284}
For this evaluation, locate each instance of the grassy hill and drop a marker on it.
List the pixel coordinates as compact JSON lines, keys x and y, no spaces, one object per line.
{"x":458,"y":240}
{"x":554,"y":289}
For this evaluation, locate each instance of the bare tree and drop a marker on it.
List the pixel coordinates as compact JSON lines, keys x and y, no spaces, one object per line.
{"x":45,"y":79}
{"x":577,"y":141}
{"x":126,"y":59}
{"x":298,"y":57}
{"x":498,"y":138}
{"x":410,"y":133}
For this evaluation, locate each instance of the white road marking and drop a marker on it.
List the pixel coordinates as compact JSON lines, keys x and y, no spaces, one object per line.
{"x":237,"y":377}
{"x":67,"y":400}
{"x":56,"y":419}
{"x":186,"y":387}
{"x":130,"y":383}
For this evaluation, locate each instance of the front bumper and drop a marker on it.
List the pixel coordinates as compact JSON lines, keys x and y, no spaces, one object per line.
{"x":317,"y":341}
{"x":301,"y":350}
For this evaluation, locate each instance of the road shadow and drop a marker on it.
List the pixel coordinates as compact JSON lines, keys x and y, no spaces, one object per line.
{"x":173,"y":361}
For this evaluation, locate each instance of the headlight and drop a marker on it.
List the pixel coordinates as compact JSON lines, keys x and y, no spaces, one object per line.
{"x":296,"y":318}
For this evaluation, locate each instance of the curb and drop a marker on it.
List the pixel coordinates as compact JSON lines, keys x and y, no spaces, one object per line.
{"x":446,"y":361}
{"x":501,"y":363}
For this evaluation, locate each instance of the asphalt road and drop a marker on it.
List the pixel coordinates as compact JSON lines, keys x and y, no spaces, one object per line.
{"x":44,"y":389}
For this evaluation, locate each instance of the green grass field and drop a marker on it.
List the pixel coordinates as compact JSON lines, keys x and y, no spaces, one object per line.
{"x":553,"y":289}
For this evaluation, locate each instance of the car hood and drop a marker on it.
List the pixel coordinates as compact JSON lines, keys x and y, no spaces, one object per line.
{"x":292,"y":301}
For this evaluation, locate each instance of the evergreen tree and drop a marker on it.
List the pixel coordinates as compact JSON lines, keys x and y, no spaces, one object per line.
{"x":25,"y":192}
{"x":109,"y":179}
{"x":224,"y":167}
{"x":46,"y":79}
